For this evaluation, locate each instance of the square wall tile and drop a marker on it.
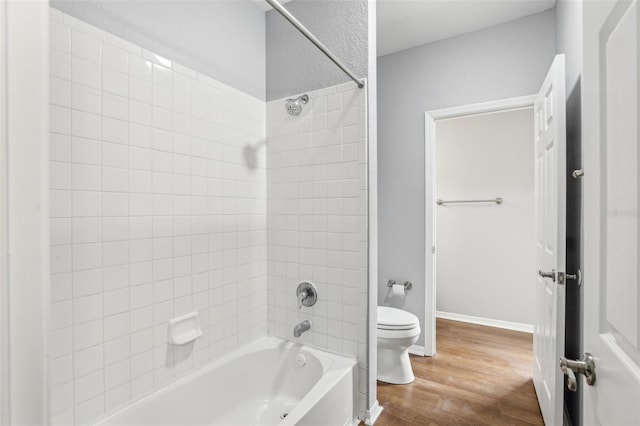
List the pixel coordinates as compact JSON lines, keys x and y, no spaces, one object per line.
{"x":152,"y":205}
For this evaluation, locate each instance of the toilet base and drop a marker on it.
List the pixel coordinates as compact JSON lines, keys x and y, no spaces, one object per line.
{"x":394,"y":366}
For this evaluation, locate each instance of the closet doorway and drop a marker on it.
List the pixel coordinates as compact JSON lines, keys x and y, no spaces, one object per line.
{"x":480,"y":216}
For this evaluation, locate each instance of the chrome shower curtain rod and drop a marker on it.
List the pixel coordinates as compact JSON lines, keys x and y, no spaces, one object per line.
{"x":305,"y":32}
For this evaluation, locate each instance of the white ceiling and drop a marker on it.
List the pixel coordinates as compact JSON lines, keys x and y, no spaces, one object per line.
{"x":403,"y":24}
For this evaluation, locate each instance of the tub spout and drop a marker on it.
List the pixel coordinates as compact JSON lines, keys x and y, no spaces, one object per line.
{"x":301,"y":328}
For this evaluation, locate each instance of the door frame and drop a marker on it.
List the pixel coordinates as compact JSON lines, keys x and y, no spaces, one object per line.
{"x":24,"y":212}
{"x":4,"y":281}
{"x":430,"y":118}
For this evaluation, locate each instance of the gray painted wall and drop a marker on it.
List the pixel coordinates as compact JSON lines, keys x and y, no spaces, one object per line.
{"x":222,"y":39}
{"x":504,"y":61}
{"x":569,"y":41}
{"x":294,"y":65}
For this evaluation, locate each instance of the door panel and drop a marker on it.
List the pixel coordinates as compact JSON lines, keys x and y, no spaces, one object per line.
{"x":621,"y":180}
{"x":611,"y":109}
{"x":550,"y":154}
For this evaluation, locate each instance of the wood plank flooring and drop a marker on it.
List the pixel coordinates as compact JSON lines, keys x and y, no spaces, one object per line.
{"x":480,"y":376}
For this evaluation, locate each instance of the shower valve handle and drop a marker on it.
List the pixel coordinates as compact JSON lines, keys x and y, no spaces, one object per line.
{"x":301,"y":297}
{"x":307,"y":294}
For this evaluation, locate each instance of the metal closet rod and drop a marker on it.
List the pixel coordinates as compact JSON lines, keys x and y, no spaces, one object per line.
{"x":305,"y":32}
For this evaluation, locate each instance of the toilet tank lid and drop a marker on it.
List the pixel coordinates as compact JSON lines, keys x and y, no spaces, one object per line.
{"x":393,"y":316}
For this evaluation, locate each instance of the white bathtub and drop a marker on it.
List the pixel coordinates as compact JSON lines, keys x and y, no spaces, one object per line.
{"x":265,"y":383}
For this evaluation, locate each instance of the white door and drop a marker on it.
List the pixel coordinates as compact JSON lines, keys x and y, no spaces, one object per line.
{"x":550,"y":190}
{"x":610,"y":115}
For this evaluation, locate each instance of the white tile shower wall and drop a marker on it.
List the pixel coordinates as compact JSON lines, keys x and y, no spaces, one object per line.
{"x":317,"y":220}
{"x":158,"y":208}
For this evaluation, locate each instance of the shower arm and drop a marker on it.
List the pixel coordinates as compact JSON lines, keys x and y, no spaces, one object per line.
{"x":305,"y":32}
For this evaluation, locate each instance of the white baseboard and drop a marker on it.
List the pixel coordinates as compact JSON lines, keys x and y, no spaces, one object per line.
{"x":373,"y":413}
{"x":517,"y":326}
{"x":416,"y":350}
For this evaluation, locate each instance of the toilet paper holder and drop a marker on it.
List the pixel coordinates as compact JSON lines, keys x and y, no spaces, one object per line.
{"x":407,"y":284}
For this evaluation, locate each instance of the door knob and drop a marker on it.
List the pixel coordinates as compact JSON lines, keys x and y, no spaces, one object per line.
{"x":551,"y":274}
{"x":586,"y":366}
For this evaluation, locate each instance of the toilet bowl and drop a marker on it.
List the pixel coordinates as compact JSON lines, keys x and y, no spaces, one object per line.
{"x":397,"y":331}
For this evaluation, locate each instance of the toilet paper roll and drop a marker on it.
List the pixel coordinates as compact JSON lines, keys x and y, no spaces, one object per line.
{"x":397,"y":290}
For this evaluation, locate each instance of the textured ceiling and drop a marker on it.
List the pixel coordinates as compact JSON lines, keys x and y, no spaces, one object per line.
{"x":403,"y":24}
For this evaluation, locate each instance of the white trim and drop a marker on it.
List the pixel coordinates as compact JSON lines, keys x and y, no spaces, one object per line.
{"x":483,"y":107}
{"x":4,"y":278}
{"x":416,"y":350}
{"x":489,"y":322}
{"x":430,"y":237}
{"x":430,"y":118}
{"x":27,"y":107}
{"x":373,"y":413}
{"x":372,"y":216}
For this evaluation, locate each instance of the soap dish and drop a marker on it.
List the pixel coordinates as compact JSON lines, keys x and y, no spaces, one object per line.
{"x":184,"y":329}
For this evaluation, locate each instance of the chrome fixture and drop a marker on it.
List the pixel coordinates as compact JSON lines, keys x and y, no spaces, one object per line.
{"x":577,"y":173}
{"x":586,"y":366}
{"x":551,"y":275}
{"x":301,"y":328}
{"x":307,"y":294}
{"x":407,"y":284}
{"x":441,"y":202}
{"x":305,"y":32}
{"x":577,"y":277}
{"x":294,"y":106}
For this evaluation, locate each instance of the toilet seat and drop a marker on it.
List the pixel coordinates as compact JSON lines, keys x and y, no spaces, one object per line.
{"x":397,"y":334}
{"x":396,"y":319}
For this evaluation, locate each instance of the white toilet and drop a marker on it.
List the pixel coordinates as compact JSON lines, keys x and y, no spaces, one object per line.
{"x":397,"y":331}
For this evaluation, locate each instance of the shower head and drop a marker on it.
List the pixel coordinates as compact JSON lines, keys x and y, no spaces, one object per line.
{"x":294,"y":106}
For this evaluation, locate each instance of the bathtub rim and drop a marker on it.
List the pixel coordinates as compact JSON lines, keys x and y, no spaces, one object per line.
{"x":334,"y":367}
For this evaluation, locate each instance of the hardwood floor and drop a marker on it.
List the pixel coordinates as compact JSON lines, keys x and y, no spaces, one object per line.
{"x":480,"y":376}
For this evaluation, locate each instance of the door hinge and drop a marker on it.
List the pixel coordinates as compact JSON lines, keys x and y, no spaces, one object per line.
{"x":433,"y":249}
{"x":586,"y":366}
